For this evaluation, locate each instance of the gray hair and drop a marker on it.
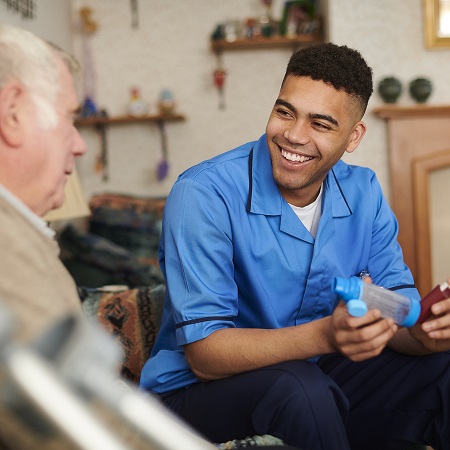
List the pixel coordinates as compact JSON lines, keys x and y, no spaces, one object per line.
{"x":33,"y":62}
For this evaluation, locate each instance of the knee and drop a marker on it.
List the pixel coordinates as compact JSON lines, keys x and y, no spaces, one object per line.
{"x":303,"y":385}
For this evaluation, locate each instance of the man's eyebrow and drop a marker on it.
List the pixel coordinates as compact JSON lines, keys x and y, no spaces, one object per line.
{"x":286,"y":104}
{"x":324,"y":117}
{"x":292,"y":108}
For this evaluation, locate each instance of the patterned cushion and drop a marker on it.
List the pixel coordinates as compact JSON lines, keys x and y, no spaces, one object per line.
{"x":133,"y":316}
{"x":266,"y":440}
{"x":132,"y":222}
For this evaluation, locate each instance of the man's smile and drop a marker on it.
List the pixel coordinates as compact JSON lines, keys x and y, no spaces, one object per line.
{"x":295,"y":157}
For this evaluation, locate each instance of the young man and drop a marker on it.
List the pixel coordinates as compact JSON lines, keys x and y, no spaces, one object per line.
{"x":253,"y":340}
{"x":38,"y":147}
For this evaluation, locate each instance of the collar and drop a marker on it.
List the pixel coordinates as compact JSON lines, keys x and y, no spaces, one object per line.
{"x":265,"y":197}
{"x":38,"y":222}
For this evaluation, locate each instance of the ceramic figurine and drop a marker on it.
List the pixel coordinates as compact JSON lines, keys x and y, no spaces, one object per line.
{"x":137,"y":107}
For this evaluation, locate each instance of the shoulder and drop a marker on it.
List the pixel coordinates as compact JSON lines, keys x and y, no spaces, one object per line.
{"x":358,"y":185}
{"x":344,"y":171}
{"x":237,"y":157}
{"x":225,"y":175}
{"x":355,"y":178}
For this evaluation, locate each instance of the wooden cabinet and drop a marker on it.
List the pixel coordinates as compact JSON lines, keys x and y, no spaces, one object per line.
{"x":419,"y":144}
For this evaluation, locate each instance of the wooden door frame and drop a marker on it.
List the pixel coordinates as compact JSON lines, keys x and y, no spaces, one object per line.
{"x":421,"y":168}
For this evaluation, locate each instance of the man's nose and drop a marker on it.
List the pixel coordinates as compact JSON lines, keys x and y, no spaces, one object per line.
{"x":298,"y":132}
{"x":79,"y":145}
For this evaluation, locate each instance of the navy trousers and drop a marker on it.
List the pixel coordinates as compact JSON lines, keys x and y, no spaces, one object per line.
{"x":386,"y":402}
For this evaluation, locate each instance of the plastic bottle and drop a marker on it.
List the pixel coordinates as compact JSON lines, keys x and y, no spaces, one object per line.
{"x":360,"y":297}
{"x":440,"y":292}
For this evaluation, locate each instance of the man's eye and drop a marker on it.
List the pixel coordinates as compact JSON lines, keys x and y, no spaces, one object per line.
{"x":283,"y":112}
{"x":321,"y":125}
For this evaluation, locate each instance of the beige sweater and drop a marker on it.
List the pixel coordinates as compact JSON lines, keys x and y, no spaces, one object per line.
{"x":34,"y":284}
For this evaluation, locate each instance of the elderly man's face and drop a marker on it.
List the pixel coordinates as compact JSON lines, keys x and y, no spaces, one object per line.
{"x":51,"y":152}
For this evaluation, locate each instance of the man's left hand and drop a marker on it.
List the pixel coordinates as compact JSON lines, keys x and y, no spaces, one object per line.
{"x":434,"y":333}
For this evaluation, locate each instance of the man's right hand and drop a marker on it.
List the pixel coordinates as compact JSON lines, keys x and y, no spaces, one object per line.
{"x":360,"y":338}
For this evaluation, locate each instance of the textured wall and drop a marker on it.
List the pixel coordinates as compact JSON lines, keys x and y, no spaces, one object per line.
{"x":52,"y":21}
{"x":170,"y":49}
{"x":390,"y":34}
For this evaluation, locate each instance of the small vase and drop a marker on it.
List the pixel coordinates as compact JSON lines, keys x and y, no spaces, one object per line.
{"x":390,"y":89}
{"x":420,"y":89}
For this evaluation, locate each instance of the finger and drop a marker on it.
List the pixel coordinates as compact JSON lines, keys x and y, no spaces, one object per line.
{"x":441,"y":307}
{"x":375,"y":334}
{"x":368,"y":349}
{"x":366,"y":355}
{"x":440,"y":334}
{"x":372,"y":316}
{"x":436,"y":323}
{"x":369,"y":339}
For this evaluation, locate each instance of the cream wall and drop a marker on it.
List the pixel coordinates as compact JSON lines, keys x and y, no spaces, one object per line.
{"x":52,"y":21}
{"x":170,"y":49}
{"x":389,"y":33}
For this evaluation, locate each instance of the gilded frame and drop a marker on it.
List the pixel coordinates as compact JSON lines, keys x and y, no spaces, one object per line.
{"x":431,"y":11}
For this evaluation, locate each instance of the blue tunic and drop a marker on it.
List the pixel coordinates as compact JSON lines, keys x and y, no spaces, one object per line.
{"x":234,"y":254}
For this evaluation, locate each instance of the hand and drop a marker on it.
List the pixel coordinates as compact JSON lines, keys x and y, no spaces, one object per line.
{"x":434,"y":333}
{"x":360,"y":338}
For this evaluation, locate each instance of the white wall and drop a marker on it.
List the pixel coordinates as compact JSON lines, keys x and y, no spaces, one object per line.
{"x":170,"y":49}
{"x":52,"y":21}
{"x":390,"y":34}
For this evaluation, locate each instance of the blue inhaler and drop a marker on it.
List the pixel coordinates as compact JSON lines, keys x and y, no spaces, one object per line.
{"x":360,"y":297}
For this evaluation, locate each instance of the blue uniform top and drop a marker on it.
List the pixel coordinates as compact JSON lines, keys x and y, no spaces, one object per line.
{"x":234,"y":254}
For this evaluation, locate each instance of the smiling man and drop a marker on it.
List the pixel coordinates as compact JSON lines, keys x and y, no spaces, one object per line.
{"x":253,"y":340}
{"x":38,"y":147}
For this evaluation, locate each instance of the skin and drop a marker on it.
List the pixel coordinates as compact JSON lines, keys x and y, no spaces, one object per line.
{"x":315,"y":121}
{"x":312,"y":120}
{"x":36,"y":162}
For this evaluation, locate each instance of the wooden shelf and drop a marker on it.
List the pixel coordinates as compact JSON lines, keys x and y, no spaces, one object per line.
{"x":403,"y":112}
{"x":130,"y":119}
{"x":266,"y":42}
{"x":100,"y":125}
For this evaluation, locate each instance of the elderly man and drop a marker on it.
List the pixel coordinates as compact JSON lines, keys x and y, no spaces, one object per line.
{"x":38,"y":147}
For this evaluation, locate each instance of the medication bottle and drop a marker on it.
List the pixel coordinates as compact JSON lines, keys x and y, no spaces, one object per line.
{"x":360,"y":297}
{"x":440,"y":292}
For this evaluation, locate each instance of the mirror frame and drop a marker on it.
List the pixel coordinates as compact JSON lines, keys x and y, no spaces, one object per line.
{"x":431,"y":19}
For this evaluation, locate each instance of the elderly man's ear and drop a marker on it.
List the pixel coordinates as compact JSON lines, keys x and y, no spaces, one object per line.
{"x":12,"y":113}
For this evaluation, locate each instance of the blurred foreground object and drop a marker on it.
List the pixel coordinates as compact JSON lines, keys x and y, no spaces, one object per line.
{"x":62,"y":392}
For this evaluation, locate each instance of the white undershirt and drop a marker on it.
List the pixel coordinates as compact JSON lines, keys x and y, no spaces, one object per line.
{"x":310,"y":214}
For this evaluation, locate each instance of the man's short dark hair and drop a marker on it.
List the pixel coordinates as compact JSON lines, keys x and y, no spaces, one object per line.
{"x":339,"y":66}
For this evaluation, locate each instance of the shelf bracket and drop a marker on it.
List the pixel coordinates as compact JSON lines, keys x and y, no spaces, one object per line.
{"x":102,"y":158}
{"x":163,"y":166}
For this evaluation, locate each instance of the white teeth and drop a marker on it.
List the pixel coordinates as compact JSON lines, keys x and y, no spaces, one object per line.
{"x":294,"y":157}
